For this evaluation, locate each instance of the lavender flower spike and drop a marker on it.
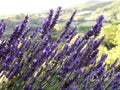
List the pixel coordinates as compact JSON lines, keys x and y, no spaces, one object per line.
{"x":99,"y":18}
{"x":97,"y":27}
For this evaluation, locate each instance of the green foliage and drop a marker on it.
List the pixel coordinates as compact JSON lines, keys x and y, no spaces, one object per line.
{"x":111,"y":32}
{"x":111,"y":43}
{"x":111,"y":11}
{"x":79,"y":18}
{"x":59,"y":27}
{"x":83,"y":29}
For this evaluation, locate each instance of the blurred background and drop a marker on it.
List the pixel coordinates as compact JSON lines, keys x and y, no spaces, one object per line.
{"x":14,"y":11}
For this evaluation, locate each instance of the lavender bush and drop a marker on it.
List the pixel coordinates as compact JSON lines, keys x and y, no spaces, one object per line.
{"x":35,"y":61}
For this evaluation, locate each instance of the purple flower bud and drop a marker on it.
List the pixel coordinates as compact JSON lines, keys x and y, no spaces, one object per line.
{"x":59,"y":40}
{"x":20,"y":54}
{"x":40,"y":88}
{"x":100,"y":18}
{"x":103,"y":58}
{"x":34,"y":34}
{"x":88,"y":34}
{"x":75,"y":88}
{"x":114,"y":63}
{"x":98,"y":42}
{"x":28,"y":87}
{"x":62,"y":88}
{"x":100,"y":71}
{"x":116,"y":77}
{"x":99,"y":86}
{"x":26,"y":19}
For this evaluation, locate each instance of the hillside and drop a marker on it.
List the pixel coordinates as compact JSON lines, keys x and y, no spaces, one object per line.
{"x":91,"y":9}
{"x":85,"y":16}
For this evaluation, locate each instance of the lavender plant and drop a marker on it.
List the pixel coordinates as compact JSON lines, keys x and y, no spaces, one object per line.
{"x":33,"y":61}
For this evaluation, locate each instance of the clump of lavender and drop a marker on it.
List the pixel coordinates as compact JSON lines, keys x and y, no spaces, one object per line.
{"x":33,"y":61}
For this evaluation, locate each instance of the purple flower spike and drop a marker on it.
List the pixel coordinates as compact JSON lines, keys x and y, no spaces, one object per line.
{"x":26,"y":19}
{"x":100,"y":18}
{"x":2,"y":27}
